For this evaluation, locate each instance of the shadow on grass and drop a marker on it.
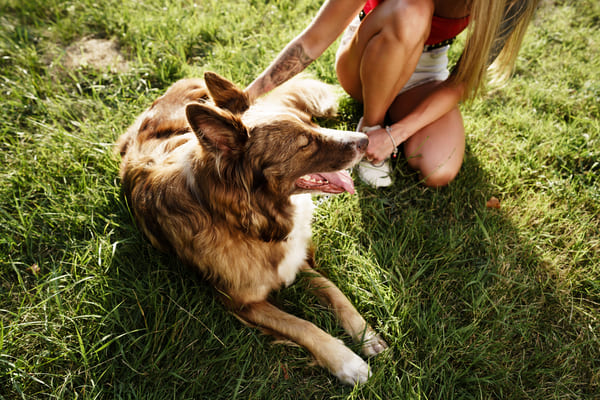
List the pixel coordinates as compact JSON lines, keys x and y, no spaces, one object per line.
{"x":474,"y":309}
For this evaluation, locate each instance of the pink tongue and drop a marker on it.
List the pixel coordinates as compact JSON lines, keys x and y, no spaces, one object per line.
{"x":341,"y":179}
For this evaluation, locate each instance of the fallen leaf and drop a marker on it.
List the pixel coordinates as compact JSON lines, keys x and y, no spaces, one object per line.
{"x":34,"y":269}
{"x":285,"y":373}
{"x":493,"y":202}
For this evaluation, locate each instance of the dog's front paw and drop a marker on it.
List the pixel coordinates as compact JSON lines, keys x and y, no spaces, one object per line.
{"x":352,"y":370}
{"x":373,"y":344}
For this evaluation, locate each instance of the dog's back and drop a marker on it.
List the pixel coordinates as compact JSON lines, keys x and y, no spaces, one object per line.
{"x":166,"y":116}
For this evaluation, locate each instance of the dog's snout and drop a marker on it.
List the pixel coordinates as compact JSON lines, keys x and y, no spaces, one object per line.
{"x":362,"y":144}
{"x":356,"y":141}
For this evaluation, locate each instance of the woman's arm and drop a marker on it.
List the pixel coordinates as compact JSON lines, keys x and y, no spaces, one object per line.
{"x":436,"y":104}
{"x":291,"y":61}
{"x":332,"y":19}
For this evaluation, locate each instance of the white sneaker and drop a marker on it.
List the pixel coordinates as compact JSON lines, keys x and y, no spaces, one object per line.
{"x":374,"y":175}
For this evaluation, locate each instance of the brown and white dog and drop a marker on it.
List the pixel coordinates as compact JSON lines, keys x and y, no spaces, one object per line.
{"x":226,"y":185}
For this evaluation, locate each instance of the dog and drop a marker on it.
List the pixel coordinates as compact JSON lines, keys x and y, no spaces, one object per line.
{"x":226,"y":185}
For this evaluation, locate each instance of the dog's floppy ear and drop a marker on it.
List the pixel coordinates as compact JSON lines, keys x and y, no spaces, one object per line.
{"x":225,"y":94}
{"x":216,"y":129}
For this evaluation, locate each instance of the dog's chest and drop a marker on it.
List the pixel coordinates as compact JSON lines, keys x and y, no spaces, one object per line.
{"x":296,"y":245}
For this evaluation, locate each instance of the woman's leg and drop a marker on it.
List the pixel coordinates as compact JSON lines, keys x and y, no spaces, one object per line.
{"x":437,"y":150}
{"x":382,"y":55}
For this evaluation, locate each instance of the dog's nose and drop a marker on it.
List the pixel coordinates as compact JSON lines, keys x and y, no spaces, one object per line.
{"x":362,"y":144}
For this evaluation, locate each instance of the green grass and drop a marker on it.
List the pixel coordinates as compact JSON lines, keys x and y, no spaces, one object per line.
{"x":474,"y":302}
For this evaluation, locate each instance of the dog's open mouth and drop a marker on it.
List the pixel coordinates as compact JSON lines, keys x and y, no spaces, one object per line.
{"x":329,"y":182}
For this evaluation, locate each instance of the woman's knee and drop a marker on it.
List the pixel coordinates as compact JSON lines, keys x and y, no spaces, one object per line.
{"x":437,"y":172}
{"x":403,"y":23}
{"x":437,"y":151}
{"x":440,"y":176}
{"x":408,"y":22}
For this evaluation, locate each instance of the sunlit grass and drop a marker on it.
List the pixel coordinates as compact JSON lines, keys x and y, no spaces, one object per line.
{"x":474,"y":302}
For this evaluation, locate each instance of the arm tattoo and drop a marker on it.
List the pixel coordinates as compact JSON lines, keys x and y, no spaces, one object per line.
{"x":292,"y":61}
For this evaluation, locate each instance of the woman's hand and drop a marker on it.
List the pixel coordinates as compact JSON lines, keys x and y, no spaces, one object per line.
{"x":381,"y":145}
{"x":430,"y":106}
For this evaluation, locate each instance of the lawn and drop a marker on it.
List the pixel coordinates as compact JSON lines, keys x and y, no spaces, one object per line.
{"x":475,"y":302}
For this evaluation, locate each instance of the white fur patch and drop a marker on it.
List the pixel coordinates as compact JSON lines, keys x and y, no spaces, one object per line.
{"x":186,"y":151}
{"x":188,"y":172}
{"x":353,"y":370}
{"x":341,"y":136}
{"x":298,"y":240}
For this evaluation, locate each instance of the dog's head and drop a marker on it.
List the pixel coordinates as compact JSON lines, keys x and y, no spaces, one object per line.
{"x":271,"y":146}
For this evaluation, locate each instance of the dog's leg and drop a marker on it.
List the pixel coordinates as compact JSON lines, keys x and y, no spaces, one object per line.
{"x":349,"y":318}
{"x":329,"y":352}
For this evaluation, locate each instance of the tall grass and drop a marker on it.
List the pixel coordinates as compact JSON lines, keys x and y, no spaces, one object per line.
{"x":474,"y":302}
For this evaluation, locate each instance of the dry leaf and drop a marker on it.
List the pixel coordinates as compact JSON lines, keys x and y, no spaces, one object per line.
{"x":285,"y":372}
{"x":493,"y":202}
{"x":34,"y":269}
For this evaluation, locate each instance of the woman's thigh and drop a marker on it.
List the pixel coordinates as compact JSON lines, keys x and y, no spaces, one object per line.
{"x":406,"y":20}
{"x":437,"y":150}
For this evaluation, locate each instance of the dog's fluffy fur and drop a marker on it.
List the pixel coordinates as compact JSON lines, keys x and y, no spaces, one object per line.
{"x":226,"y":186}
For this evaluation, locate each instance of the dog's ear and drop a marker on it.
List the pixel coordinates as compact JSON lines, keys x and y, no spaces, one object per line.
{"x":225,"y":94}
{"x":216,"y":129}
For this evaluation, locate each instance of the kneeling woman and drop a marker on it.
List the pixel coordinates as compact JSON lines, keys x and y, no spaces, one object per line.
{"x":393,"y":59}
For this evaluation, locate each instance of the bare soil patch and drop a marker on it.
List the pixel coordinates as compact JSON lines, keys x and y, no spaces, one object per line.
{"x":96,"y":53}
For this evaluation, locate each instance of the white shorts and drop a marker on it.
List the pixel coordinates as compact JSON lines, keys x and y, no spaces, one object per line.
{"x":432,"y":65}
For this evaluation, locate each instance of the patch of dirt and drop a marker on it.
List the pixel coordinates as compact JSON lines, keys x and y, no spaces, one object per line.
{"x":100,"y":54}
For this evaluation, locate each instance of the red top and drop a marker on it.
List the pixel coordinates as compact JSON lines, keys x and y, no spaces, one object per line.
{"x":441,"y":28}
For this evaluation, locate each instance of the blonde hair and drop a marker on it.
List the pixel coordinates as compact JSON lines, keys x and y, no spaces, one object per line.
{"x":486,"y":27}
